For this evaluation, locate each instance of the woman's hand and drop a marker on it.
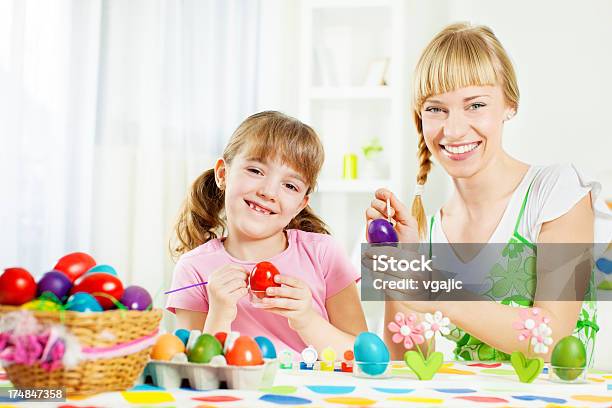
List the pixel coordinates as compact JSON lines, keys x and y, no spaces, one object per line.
{"x":405,"y":224}
{"x":226,"y":286}
{"x":292,"y":300}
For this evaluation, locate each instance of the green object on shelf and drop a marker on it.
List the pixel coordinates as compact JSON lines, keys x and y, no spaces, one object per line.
{"x":349,"y":166}
{"x":372,"y":149}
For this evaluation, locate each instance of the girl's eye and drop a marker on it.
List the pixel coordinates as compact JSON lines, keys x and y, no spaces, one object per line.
{"x":433,"y":109}
{"x":476,"y":106}
{"x":254,"y":170}
{"x":291,"y":186}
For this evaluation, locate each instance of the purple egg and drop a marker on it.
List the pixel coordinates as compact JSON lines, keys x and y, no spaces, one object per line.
{"x":380,"y":231}
{"x":136,"y":298}
{"x":55,"y":282}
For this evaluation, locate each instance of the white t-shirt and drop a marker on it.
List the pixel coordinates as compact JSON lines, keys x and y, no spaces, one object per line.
{"x":555,"y":191}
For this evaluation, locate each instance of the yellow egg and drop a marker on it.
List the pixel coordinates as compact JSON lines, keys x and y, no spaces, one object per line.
{"x":41,"y":305}
{"x":166,"y":347}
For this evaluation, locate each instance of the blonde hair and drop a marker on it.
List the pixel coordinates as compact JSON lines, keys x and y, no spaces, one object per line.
{"x":263,"y":136}
{"x":459,"y":56}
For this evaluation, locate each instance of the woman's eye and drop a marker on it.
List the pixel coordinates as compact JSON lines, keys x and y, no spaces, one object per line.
{"x":476,"y":106}
{"x":254,"y":170}
{"x":433,"y":109}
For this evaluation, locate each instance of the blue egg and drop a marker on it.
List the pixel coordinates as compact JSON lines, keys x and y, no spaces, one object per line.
{"x":102,"y":268}
{"x":83,"y":302}
{"x":183,"y":335}
{"x":266,"y":347}
{"x":371,"y":353}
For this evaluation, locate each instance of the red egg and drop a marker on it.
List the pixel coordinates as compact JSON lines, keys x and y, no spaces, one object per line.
{"x":262,"y":277}
{"x":17,"y":287}
{"x":244,"y":352}
{"x":221,"y":336}
{"x":75,"y":264}
{"x":103,"y":286}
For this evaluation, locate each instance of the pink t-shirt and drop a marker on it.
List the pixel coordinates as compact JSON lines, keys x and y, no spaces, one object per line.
{"x":316,"y":259}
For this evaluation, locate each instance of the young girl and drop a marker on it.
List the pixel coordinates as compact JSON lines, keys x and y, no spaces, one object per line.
{"x":253,"y":206}
{"x":464,"y":91}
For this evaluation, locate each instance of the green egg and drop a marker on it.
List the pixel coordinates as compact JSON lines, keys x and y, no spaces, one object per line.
{"x":569,"y":352}
{"x":204,"y":349}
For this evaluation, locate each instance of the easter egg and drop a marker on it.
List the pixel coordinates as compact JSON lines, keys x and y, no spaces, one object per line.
{"x":102,"y":268}
{"x":204,"y":349}
{"x":568,"y":352}
{"x":381,"y":231}
{"x":244,"y":352}
{"x":262,"y":277}
{"x":221,"y":336}
{"x":183,"y":335}
{"x":136,"y":298}
{"x":42,"y":305}
{"x":266,"y":347}
{"x":75,"y":264}
{"x":83,"y":302}
{"x":54,"y":282}
{"x":371,"y":353}
{"x":104,"y":287}
{"x":17,"y":287}
{"x":166,"y":346}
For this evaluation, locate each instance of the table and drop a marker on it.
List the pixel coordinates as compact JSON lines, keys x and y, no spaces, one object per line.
{"x":457,"y":384}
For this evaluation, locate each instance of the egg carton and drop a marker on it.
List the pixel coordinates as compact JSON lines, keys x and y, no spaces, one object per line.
{"x":170,"y":374}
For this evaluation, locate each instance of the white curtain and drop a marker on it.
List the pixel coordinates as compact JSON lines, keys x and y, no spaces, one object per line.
{"x":176,"y":79}
{"x":111,"y":109}
{"x":48,"y":92}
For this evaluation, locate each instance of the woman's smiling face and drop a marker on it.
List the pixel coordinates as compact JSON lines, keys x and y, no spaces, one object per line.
{"x":463,"y":128}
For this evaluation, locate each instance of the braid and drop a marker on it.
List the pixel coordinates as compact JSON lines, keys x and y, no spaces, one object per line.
{"x":424,"y":156}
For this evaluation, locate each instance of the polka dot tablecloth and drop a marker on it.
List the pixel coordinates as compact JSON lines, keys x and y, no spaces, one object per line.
{"x":457,"y":384}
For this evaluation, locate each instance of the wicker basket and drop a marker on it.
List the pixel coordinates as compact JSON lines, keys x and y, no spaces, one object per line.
{"x":92,"y":330}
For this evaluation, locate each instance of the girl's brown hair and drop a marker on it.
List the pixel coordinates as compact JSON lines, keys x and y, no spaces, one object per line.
{"x":263,"y":136}
{"x":461,"y":55}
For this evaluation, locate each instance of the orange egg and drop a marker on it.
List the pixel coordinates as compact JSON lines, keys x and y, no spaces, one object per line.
{"x":243,"y":352}
{"x":166,"y":347}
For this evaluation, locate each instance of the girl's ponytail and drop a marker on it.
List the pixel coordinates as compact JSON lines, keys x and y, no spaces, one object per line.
{"x":307,"y":221}
{"x":424,"y":155}
{"x":200,"y":217}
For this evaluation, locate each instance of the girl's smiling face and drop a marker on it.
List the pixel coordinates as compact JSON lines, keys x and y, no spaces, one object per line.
{"x":463,"y":128}
{"x":261,"y":196}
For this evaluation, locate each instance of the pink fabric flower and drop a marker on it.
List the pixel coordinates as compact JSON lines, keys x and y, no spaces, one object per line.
{"x":407,"y":330}
{"x":4,"y":340}
{"x":54,"y":358}
{"x":528,"y":320}
{"x":7,"y":355}
{"x":27,"y":349}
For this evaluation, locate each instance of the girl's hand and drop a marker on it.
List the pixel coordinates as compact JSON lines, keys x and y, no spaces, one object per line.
{"x":292,"y":300}
{"x":226,"y":286}
{"x":405,"y":224}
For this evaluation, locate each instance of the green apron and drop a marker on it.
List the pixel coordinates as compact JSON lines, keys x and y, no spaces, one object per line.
{"x":513,"y":282}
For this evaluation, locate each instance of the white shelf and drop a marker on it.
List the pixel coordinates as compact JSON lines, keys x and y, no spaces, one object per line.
{"x":350,"y":92}
{"x":340,"y":40}
{"x":351,"y":186}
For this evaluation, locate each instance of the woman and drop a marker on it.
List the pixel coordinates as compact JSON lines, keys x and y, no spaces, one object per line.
{"x":464,"y":90}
